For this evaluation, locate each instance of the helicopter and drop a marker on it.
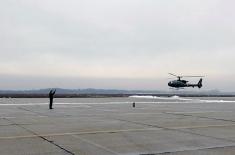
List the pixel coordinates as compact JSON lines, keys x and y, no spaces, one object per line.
{"x":179,"y":83}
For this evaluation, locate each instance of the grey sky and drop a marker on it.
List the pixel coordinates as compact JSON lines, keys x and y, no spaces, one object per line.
{"x":125,"y":44}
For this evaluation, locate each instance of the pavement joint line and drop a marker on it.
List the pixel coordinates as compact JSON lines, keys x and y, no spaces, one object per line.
{"x":37,"y":113}
{"x":203,"y":126}
{"x":6,"y":117}
{"x":200,"y":149}
{"x":156,"y":113}
{"x":78,"y":106}
{"x":22,"y":117}
{"x":218,"y":119}
{"x":108,"y":110}
{"x":178,"y":130}
{"x":79,"y":133}
{"x":13,"y":124}
{"x":197,"y":112}
{"x":96,"y":145}
{"x":43,"y":138}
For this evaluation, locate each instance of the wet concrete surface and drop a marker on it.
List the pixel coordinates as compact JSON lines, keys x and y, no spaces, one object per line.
{"x":111,"y":126}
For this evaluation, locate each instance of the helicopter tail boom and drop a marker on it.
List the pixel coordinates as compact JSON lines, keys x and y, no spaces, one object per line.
{"x":199,"y":84}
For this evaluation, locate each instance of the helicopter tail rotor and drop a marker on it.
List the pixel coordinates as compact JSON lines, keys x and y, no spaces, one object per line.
{"x":199,"y":83}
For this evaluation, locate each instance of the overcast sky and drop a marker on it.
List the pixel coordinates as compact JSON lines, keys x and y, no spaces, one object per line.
{"x":120,"y":44}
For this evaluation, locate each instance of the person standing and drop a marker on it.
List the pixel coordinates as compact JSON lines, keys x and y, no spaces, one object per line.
{"x":51,"y":96}
{"x":133,"y":104}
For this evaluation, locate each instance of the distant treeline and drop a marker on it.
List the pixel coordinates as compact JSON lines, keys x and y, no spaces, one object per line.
{"x":105,"y":95}
{"x":90,"y":92}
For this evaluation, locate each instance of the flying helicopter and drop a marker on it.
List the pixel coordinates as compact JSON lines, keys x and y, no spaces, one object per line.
{"x":179,"y":83}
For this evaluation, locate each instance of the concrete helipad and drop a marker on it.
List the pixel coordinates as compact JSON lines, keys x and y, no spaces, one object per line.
{"x":111,"y":126}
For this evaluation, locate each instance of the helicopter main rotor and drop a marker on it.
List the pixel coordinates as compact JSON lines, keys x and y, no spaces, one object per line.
{"x":179,"y":77}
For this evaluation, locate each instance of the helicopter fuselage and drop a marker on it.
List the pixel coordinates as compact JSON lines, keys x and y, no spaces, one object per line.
{"x":180,"y":84}
{"x":177,"y":83}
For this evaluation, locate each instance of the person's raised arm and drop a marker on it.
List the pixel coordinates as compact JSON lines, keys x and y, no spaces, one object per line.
{"x":54,"y":92}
